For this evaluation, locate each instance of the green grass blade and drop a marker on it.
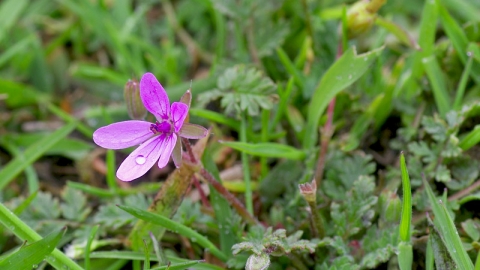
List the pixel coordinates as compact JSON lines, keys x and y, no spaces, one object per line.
{"x":405,"y":253}
{"x":444,"y":224}
{"x":33,"y":254}
{"x":57,"y":259}
{"x":345,"y":71}
{"x":274,"y":150}
{"x":471,"y":139}
{"x":457,"y":104}
{"x":397,"y":31}
{"x":439,"y":86}
{"x":32,"y":153}
{"x":429,"y":256}
{"x":91,"y":237}
{"x":406,"y":221}
{"x":175,"y":227}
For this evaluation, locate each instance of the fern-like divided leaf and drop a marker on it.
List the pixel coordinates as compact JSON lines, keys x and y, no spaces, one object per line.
{"x":242,"y":89}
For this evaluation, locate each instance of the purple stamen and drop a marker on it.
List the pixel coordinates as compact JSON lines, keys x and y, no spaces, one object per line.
{"x":164,"y":127}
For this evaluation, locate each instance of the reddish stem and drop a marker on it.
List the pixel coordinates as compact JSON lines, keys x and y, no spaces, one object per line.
{"x":203,"y":196}
{"x":234,"y":202}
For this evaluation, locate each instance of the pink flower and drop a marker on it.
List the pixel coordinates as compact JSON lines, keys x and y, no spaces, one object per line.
{"x":157,"y":140}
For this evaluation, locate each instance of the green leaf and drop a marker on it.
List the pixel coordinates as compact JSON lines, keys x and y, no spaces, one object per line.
{"x":32,"y":153}
{"x":356,"y":211}
{"x":472,"y":229}
{"x":174,"y":227}
{"x":33,"y":254}
{"x":471,"y":139}
{"x":10,"y":10}
{"x":75,"y":206}
{"x":445,"y":225}
{"x":274,"y":150}
{"x":345,"y":71}
{"x":112,"y":217}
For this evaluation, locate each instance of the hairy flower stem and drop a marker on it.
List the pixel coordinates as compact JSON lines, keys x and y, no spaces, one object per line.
{"x":317,"y":219}
{"x":234,"y":202}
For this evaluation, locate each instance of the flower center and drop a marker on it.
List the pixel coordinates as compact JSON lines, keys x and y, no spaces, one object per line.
{"x":163,"y":127}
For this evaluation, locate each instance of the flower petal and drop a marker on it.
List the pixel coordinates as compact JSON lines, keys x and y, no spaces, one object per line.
{"x":154,"y":96}
{"x":166,"y":150}
{"x":122,"y":134}
{"x":142,"y":159}
{"x":179,"y":113}
{"x":177,"y":153}
{"x":192,"y":131}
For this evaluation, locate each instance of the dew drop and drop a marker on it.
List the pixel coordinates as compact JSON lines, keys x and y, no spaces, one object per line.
{"x":140,"y":160}
{"x":469,"y":54}
{"x":349,"y":77}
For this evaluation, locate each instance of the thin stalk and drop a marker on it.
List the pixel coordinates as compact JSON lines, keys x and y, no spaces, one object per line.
{"x":234,"y":202}
{"x":264,"y":138}
{"x":203,"y":196}
{"x":111,"y":178}
{"x":246,"y":166}
{"x":251,"y":42}
{"x":308,"y":21}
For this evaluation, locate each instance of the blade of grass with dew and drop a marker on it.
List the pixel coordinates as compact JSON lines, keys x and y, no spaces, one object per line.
{"x":457,"y":104}
{"x":57,"y":258}
{"x":32,"y":153}
{"x":471,"y":139}
{"x":439,"y":86}
{"x":91,"y":237}
{"x":405,"y":253}
{"x":345,"y":71}
{"x":246,"y":164}
{"x":441,"y":255}
{"x":273,"y":150}
{"x":221,"y":207}
{"x":168,"y":199}
{"x":175,"y":227}
{"x":444,"y":224}
{"x":30,"y":255}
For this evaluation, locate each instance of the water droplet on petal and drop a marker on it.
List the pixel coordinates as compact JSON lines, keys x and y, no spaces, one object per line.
{"x":140,"y":160}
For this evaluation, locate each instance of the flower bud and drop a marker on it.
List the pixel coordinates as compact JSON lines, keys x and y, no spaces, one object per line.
{"x":135,"y":107}
{"x":309,"y":191}
{"x":258,"y":262}
{"x":361,"y":16}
